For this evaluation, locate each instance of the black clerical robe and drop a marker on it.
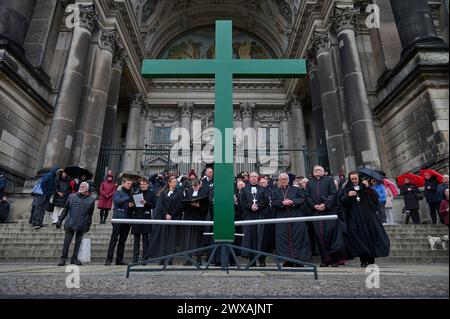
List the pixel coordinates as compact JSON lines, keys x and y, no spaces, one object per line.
{"x":328,"y":234}
{"x":192,"y":236}
{"x":291,"y":239}
{"x":254,"y":234}
{"x":366,"y":235}
{"x":164,"y":237}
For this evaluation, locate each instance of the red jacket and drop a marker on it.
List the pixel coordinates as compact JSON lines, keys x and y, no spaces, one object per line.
{"x":106,"y":192}
{"x":443,"y":210}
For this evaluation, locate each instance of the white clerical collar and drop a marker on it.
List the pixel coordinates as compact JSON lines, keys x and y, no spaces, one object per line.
{"x":169,"y":193}
{"x":195,"y":193}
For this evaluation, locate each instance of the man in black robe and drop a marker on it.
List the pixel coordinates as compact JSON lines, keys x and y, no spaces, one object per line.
{"x":322,"y":194}
{"x":254,"y":205}
{"x":192,"y":236}
{"x":367,"y":236}
{"x":163,"y":239}
{"x":291,"y":239}
{"x":145,"y":212}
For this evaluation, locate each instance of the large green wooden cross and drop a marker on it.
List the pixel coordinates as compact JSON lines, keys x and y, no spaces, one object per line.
{"x":223,"y":68}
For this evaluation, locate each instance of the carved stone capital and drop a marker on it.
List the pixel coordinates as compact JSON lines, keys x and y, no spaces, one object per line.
{"x":186,"y":109}
{"x":320,"y":41}
{"x":88,"y":17}
{"x":237,"y":115}
{"x":247,"y":109}
{"x":137,"y":101}
{"x":295,"y":102}
{"x":108,"y":40}
{"x":119,"y":58}
{"x":344,"y":18}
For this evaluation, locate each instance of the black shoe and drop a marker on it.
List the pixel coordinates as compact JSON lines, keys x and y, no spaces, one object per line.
{"x":42,"y":225}
{"x":288,"y":264}
{"x":121,"y":263}
{"x":334,"y":265}
{"x":262,"y":263}
{"x":75,"y":261}
{"x":170,"y":263}
{"x":108,"y":263}
{"x":62,"y":262}
{"x":323,"y":264}
{"x":364,"y":264}
{"x":299,"y":265}
{"x":36,"y":226}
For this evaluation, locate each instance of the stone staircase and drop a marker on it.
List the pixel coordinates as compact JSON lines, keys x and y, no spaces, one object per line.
{"x":20,"y":243}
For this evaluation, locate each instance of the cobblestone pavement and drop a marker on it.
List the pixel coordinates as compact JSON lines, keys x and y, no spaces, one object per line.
{"x":97,"y":281}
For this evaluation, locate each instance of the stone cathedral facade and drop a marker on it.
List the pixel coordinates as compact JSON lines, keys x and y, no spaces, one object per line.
{"x":71,"y":89}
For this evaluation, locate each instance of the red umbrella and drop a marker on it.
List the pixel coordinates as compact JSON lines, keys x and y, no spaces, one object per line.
{"x":392,"y":186}
{"x":432,"y":172}
{"x":417,"y":180}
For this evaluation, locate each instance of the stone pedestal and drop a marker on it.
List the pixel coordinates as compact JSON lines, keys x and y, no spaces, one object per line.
{"x":68,"y":102}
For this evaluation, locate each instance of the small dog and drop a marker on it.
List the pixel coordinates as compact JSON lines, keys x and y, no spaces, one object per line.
{"x":435,"y":242}
{"x":444,"y":240}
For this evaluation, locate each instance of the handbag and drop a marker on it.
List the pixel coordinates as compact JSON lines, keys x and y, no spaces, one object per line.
{"x":49,"y":206}
{"x":84,"y":254}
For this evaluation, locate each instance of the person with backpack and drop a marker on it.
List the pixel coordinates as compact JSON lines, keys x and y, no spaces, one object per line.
{"x":42,"y":192}
{"x":4,"y":208}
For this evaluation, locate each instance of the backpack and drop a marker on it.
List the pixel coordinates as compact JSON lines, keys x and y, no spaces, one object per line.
{"x":37,"y":189}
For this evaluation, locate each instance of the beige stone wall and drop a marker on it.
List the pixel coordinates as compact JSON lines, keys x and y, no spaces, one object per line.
{"x":22,"y":129}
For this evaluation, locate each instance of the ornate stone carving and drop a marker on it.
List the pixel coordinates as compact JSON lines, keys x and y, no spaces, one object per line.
{"x":344,"y":18}
{"x":270,"y":115}
{"x":247,"y":109}
{"x":156,"y":114}
{"x":119,"y":58}
{"x":186,"y":109}
{"x":237,"y":116}
{"x":145,"y":110}
{"x":108,"y":40}
{"x":311,"y":58}
{"x":295,"y":102}
{"x":88,"y":17}
{"x":206,"y":116}
{"x":136,"y":101}
{"x":320,"y":41}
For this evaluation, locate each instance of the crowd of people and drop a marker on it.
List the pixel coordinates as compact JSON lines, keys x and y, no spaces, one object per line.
{"x":363,"y":205}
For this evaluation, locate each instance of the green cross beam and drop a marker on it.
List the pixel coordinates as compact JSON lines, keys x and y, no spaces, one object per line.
{"x":223,"y":68}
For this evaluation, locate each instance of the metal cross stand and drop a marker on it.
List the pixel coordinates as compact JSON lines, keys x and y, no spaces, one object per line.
{"x":224,"y":247}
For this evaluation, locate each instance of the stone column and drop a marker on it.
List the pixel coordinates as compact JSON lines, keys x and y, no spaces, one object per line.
{"x":357,"y":101}
{"x":299,"y":134}
{"x":15,"y":18}
{"x":237,"y":127}
{"x":314,"y":85}
{"x":131,"y":140}
{"x":68,"y":101}
{"x":330,"y":103}
{"x":141,"y":138}
{"x":186,"y":109}
{"x":92,"y":119}
{"x":247,"y":110}
{"x":415,"y":24}
{"x":113,"y":98}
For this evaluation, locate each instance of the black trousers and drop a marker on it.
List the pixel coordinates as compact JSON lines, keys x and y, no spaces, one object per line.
{"x":414,"y":214}
{"x":119,"y":234}
{"x":103,"y":214}
{"x":434,"y":211}
{"x":137,"y":246}
{"x":68,"y":239}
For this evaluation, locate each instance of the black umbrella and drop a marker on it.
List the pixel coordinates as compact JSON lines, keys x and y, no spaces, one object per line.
{"x":371,"y":173}
{"x":77,"y":172}
{"x":381,"y":173}
{"x":130,"y":175}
